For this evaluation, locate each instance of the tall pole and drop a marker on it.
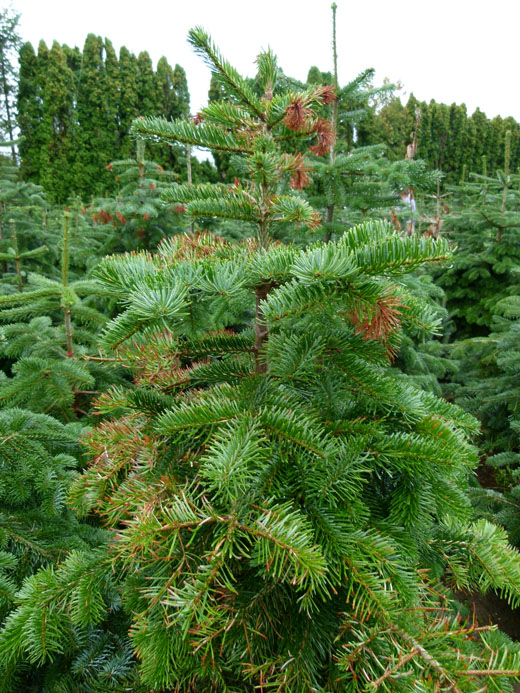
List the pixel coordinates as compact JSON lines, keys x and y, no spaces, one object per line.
{"x":334,"y":115}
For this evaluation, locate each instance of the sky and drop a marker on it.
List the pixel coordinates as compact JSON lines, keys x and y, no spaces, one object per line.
{"x":462,"y":51}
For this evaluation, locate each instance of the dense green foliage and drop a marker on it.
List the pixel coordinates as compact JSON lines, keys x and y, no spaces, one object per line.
{"x":448,"y":138}
{"x":234,"y":456}
{"x":77,"y":106}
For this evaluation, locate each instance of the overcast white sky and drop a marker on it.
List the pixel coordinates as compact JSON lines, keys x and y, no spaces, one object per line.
{"x":447,"y":50}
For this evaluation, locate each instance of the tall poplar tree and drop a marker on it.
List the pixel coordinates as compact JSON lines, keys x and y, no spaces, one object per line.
{"x":10,"y":42}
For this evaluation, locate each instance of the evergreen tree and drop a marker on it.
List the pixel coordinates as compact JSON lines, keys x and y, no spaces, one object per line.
{"x":276,"y":492}
{"x":137,"y":213}
{"x":112,"y":88}
{"x":355,"y":184}
{"x":147,"y":96}
{"x":39,"y":455}
{"x":447,"y":137}
{"x":77,"y":108}
{"x":21,"y":207}
{"x":172,"y":85}
{"x":47,"y":376}
{"x":387,"y":127}
{"x":439,"y":134}
{"x":129,"y":108}
{"x":217,"y":92}
{"x":457,"y":147}
{"x":173,"y":102}
{"x":498,"y":397}
{"x":95,"y":121}
{"x":29,"y":112}
{"x":479,"y":128}
{"x":33,"y":76}
{"x":56,"y":127}
{"x":485,"y":227}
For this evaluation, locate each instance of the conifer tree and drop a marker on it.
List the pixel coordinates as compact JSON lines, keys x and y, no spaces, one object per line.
{"x":489,"y":389}
{"x":137,"y":213}
{"x":21,"y":205}
{"x":173,"y":101}
{"x":276,"y":491}
{"x":95,"y":119}
{"x":458,"y":150}
{"x":56,"y":128}
{"x":40,"y":457}
{"x":217,"y":92}
{"x":46,"y":375}
{"x":112,"y":90}
{"x":486,"y":228}
{"x":173,"y":94}
{"x":33,"y":70}
{"x":386,"y":126}
{"x":147,"y":96}
{"x":28,"y":105}
{"x":77,"y":108}
{"x":357,"y":183}
{"x":448,"y":138}
{"x":129,"y":108}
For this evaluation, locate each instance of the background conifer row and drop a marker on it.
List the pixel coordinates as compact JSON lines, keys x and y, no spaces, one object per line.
{"x":77,"y":106}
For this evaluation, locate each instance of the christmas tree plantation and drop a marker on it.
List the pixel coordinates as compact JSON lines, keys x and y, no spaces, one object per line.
{"x":286,"y":510}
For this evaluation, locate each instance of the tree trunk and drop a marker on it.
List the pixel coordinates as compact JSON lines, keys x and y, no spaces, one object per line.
{"x":261,"y":329}
{"x":5,"y":89}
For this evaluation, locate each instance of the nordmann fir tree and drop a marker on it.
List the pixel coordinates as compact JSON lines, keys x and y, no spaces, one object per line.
{"x":486,"y":227}
{"x":492,"y":392}
{"x":137,"y":214}
{"x":45,"y":326}
{"x":275,"y":493}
